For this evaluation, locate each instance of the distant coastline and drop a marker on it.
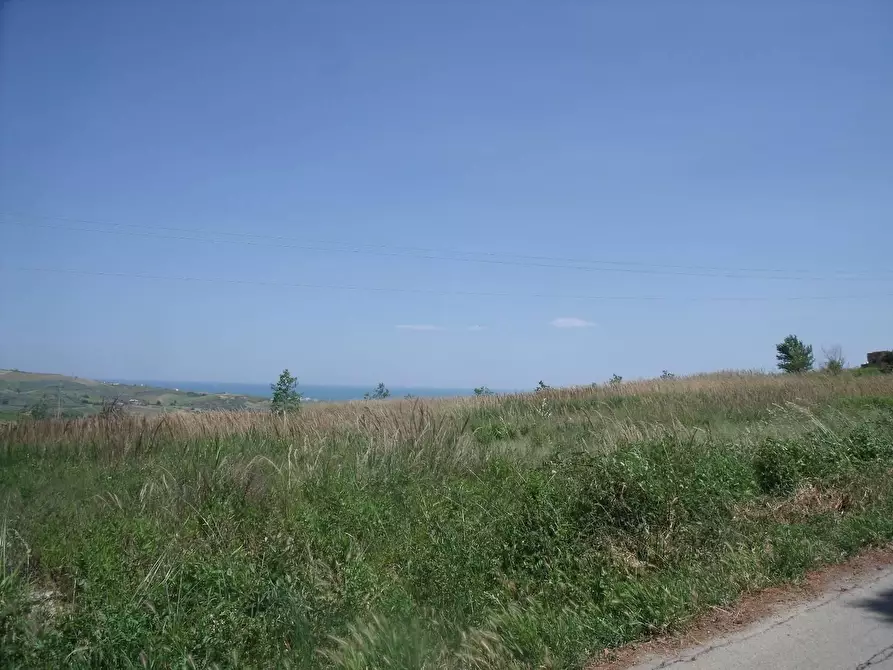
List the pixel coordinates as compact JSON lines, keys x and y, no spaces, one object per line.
{"x":321,"y":392}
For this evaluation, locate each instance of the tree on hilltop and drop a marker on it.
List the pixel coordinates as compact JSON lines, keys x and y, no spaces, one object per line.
{"x":794,"y":356}
{"x":380,"y":392}
{"x":286,"y":397}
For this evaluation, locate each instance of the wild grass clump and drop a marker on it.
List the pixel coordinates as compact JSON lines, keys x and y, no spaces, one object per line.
{"x":493,"y":532}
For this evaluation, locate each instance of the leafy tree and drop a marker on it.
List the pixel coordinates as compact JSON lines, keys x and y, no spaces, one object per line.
{"x":834,"y":360}
{"x":379,"y":393}
{"x":483,"y":390}
{"x":667,"y":375}
{"x":286,"y":398}
{"x":39,"y":410}
{"x":542,"y":386}
{"x":794,"y":356}
{"x":615,"y":380}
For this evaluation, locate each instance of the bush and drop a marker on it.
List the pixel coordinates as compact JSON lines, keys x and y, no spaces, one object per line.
{"x":834,"y":360}
{"x":781,"y":465}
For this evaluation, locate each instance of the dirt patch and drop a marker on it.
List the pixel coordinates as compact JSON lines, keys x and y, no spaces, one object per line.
{"x":748,"y":609}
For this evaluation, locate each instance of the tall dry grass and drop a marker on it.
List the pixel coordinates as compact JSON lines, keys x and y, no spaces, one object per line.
{"x":629,"y":408}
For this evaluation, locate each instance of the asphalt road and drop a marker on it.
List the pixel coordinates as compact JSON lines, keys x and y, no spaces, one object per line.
{"x":849,"y":628}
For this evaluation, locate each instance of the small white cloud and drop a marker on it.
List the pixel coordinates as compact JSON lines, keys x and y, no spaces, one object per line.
{"x":571,"y":322}
{"x":418,"y":326}
{"x":476,"y":327}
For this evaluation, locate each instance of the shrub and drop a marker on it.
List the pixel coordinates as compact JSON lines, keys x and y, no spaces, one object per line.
{"x":780,"y":465}
{"x":834,"y":360}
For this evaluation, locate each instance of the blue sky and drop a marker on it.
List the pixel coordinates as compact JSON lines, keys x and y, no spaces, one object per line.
{"x":322,"y":144}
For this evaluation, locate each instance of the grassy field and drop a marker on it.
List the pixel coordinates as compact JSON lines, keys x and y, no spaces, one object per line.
{"x":521,"y":531}
{"x":71,"y":397}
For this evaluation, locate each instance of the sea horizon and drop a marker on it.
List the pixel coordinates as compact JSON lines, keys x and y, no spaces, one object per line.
{"x":321,"y":392}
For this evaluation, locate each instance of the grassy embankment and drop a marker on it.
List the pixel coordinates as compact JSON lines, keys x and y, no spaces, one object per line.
{"x":522,"y":531}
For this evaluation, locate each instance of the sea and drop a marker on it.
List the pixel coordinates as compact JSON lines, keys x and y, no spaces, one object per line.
{"x":310,"y":392}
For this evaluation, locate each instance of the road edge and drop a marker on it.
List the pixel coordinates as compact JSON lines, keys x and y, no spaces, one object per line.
{"x":749,"y":609}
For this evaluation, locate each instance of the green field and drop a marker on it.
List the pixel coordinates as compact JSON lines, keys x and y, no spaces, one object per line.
{"x":71,"y":397}
{"x":531,"y":530}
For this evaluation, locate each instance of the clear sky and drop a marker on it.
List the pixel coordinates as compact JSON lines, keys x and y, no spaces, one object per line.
{"x":284,"y":149}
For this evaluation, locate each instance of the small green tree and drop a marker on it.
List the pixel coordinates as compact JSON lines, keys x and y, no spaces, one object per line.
{"x":39,"y":410}
{"x":834,"y":360}
{"x":542,"y":386}
{"x":794,"y":356}
{"x":666,"y":374}
{"x":380,"y":392}
{"x":615,"y":379}
{"x":286,"y":398}
{"x":483,"y":390}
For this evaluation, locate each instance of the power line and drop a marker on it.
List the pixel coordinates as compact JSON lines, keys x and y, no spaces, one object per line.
{"x":492,"y":258}
{"x":490,"y":294}
{"x":153,"y":235}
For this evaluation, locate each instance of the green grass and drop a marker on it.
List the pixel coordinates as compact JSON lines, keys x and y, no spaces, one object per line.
{"x":528,"y":531}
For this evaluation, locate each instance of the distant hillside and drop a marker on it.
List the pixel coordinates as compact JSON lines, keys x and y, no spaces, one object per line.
{"x":48,"y":394}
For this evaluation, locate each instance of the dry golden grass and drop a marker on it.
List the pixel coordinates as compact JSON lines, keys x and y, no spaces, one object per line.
{"x":627,"y":411}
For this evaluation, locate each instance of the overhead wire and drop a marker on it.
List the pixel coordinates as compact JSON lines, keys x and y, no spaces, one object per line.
{"x":492,"y":258}
{"x":421,"y":291}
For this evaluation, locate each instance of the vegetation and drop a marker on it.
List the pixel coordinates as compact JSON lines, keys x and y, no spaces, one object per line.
{"x":380,"y":392}
{"x":39,"y":410}
{"x":530,"y":530}
{"x":880,"y":361}
{"x":22,"y":392}
{"x":483,"y":390}
{"x":835,"y":362}
{"x":286,"y":398}
{"x":794,"y":356}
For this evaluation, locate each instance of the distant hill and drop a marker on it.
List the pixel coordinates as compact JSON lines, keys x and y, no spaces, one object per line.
{"x":49,"y":394}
